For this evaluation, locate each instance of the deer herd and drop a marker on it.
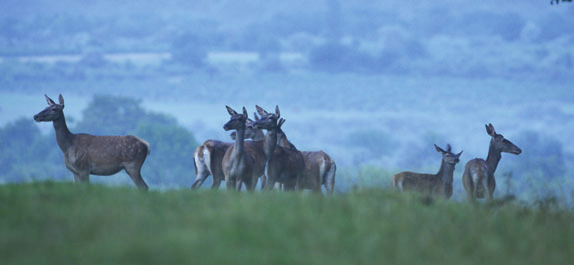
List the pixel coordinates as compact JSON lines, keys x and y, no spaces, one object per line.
{"x":270,"y":158}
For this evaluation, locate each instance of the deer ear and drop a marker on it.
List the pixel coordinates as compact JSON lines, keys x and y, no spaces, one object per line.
{"x":438,"y":149}
{"x":281,"y":121}
{"x":490,"y":130}
{"x":277,"y":112}
{"x":49,"y":100}
{"x":261,"y":111}
{"x":458,"y":155}
{"x":255,"y":116}
{"x":61,"y":100}
{"x":245,"y":112}
{"x":230,"y":110}
{"x":448,"y":148}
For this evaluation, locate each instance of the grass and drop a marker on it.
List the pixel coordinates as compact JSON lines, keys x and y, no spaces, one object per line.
{"x":61,"y":223}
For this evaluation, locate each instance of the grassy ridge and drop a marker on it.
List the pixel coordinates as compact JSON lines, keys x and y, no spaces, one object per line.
{"x":60,"y":223}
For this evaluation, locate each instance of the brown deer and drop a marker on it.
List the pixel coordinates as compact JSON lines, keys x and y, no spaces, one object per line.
{"x":208,"y":157}
{"x":478,"y":177}
{"x":243,"y":161}
{"x":283,"y":165}
{"x":86,"y":154}
{"x":439,"y":184}
{"x":319,"y":169}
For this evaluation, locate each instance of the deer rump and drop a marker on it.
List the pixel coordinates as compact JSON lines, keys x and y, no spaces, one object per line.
{"x":317,"y":166}
{"x":477,"y":170}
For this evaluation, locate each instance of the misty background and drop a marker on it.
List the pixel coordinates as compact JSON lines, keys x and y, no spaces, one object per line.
{"x":373,"y":83}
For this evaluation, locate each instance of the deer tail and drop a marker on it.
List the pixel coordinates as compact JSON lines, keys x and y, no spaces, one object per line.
{"x":197,"y":157}
{"x":145,"y":143}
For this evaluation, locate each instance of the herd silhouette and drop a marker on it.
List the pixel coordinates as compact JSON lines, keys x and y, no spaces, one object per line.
{"x":270,"y":158}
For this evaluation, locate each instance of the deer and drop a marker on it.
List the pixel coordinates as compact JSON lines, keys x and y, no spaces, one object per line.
{"x":86,"y":154}
{"x":243,"y":162}
{"x":478,"y":176}
{"x":282,"y":164}
{"x":208,"y":157}
{"x":319,"y":169}
{"x":439,"y":184}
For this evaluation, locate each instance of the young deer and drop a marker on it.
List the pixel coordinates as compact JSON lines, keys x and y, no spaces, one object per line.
{"x":438,"y":184}
{"x":478,"y":177}
{"x":208,"y":157}
{"x":86,"y":154}
{"x":283,"y":165}
{"x":243,"y":162}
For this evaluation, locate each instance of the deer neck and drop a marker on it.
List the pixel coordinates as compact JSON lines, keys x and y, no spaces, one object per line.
{"x":63,"y":135}
{"x":239,"y":144}
{"x":283,"y":141}
{"x":445,"y":172}
{"x":492,"y":159}
{"x":270,"y":143}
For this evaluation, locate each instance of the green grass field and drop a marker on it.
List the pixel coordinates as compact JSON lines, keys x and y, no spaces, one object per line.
{"x":61,"y":223}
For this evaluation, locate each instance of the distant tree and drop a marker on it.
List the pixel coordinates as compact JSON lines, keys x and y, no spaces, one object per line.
{"x":112,"y":115}
{"x":26,"y":154}
{"x":171,"y":162}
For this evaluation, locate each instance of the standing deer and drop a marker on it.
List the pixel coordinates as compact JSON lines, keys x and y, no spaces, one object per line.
{"x":439,"y":184}
{"x":208,"y":157}
{"x":478,"y":177}
{"x":243,"y":162}
{"x":86,"y":154}
{"x":319,"y":169}
{"x":283,"y":165}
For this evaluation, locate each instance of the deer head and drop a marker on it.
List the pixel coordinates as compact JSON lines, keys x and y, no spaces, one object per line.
{"x":448,"y":156}
{"x":52,"y":112}
{"x":250,"y":130}
{"x":268,"y":121}
{"x":500,"y":144}
{"x":237,"y":120}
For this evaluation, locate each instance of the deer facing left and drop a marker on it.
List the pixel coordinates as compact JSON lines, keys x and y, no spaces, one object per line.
{"x":86,"y":154}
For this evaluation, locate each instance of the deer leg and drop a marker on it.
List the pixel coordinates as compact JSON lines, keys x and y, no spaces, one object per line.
{"x":488,"y":192}
{"x":76,"y":178}
{"x":319,"y":185}
{"x":263,"y":180}
{"x":330,"y":180}
{"x":216,"y":183}
{"x":199,"y":179}
{"x":231,"y":183}
{"x":269,"y":184}
{"x":134,"y":171}
{"x":250,"y":184}
{"x":289,"y":186}
{"x":239,"y":185}
{"x":82,"y":177}
{"x":469,"y":186}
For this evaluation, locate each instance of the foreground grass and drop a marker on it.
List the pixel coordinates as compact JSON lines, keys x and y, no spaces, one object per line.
{"x":60,"y":223}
